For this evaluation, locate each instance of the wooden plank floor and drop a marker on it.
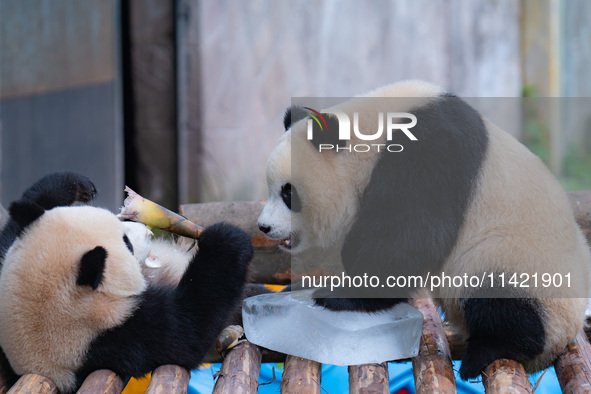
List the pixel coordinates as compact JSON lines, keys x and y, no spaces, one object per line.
{"x":432,"y":367}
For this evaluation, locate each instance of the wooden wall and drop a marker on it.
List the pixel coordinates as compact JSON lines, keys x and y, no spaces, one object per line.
{"x":151,"y":108}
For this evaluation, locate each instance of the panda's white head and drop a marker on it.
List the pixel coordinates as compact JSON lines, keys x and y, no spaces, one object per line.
{"x":309,"y":207}
{"x":139,"y":240}
{"x":68,"y":277}
{"x":313,"y":196}
{"x":162,"y":261}
{"x":275,"y":219}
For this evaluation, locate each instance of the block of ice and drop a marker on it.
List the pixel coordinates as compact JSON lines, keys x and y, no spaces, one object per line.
{"x":295,"y":325}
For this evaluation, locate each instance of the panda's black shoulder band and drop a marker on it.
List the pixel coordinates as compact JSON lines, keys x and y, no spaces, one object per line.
{"x":411,"y":212}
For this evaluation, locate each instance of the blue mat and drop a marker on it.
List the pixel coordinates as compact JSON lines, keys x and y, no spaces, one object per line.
{"x":335,"y":380}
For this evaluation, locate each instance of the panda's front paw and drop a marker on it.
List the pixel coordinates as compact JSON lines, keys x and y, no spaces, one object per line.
{"x":228,"y":243}
{"x":334,"y":304}
{"x":326,"y":299}
{"x":221,"y":261}
{"x":61,"y":189}
{"x":81,"y":188}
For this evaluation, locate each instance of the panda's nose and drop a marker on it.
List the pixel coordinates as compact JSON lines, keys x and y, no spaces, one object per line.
{"x":265,"y":229}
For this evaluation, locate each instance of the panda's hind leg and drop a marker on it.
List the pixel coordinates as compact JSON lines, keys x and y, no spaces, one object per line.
{"x":510,"y":328}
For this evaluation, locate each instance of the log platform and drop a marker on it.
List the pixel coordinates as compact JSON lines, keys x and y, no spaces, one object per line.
{"x":432,"y":367}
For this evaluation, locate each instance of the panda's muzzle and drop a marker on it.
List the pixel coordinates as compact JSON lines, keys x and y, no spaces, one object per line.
{"x":285,"y":243}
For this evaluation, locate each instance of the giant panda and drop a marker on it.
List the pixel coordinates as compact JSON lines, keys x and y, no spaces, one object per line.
{"x":163,"y":262}
{"x":74,"y":299}
{"x":464,"y":198}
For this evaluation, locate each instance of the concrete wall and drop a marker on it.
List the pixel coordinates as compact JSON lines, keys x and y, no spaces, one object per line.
{"x":60,"y":94}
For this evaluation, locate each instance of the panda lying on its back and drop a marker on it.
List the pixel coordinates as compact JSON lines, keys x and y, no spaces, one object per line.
{"x":466,"y":198}
{"x":73,"y":298}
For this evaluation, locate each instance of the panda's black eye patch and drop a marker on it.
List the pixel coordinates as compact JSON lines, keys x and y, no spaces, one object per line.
{"x":128,"y":243}
{"x":290,"y":197}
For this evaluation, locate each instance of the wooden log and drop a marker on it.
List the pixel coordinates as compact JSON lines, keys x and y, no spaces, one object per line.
{"x":432,"y":367}
{"x":240,"y":370}
{"x":268,"y":356}
{"x":369,"y":379}
{"x":272,"y":266}
{"x":301,"y":376}
{"x":169,"y":379}
{"x":32,"y":383}
{"x":581,"y":205}
{"x":102,"y":381}
{"x":573,"y":367}
{"x":505,"y":376}
{"x":152,"y":108}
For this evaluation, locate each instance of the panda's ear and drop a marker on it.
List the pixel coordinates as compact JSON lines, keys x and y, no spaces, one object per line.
{"x":92,"y":266}
{"x":328,"y":134}
{"x":292,"y":115}
{"x":25,"y":212}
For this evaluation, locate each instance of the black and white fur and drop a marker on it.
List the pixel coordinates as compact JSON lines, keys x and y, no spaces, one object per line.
{"x":466,"y":198}
{"x":73,"y":298}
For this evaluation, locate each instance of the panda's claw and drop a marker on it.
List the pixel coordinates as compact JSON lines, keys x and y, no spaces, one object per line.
{"x":83,"y":188}
{"x":86,"y":191}
{"x":470,"y":368}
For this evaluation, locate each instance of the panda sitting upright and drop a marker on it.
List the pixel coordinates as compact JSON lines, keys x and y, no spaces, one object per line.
{"x":464,"y":198}
{"x":73,"y":298}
